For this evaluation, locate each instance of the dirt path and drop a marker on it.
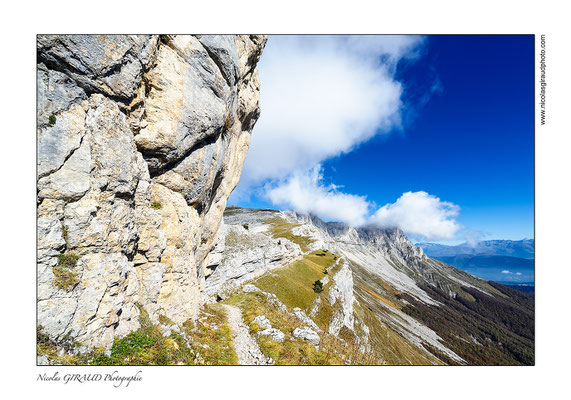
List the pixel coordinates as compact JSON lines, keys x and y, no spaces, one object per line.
{"x":246,"y":347}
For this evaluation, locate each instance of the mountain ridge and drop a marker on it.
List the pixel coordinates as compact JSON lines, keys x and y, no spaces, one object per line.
{"x":390,"y":288}
{"x":524,"y":248}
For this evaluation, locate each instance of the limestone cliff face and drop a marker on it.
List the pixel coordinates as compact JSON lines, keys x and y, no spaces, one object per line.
{"x":140,"y":141}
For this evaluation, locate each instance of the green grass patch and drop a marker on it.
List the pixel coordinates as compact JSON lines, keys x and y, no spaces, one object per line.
{"x":145,"y":346}
{"x":67,"y":260}
{"x":255,"y":304}
{"x":323,"y":316}
{"x":206,"y":342}
{"x":280,"y":228}
{"x":234,"y":239}
{"x":293,"y":284}
{"x":64,"y":276}
{"x":211,"y":338}
{"x":52,"y":349}
{"x":164,"y":320}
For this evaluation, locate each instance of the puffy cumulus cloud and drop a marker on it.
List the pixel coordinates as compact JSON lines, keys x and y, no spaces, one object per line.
{"x":420,"y":215}
{"x":306,"y":193}
{"x":322,"y":96}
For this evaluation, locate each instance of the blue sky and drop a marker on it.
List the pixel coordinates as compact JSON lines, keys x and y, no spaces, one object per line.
{"x":437,"y":134}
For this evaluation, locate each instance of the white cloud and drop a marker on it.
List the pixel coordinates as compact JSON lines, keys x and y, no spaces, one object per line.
{"x":306,"y":193}
{"x":420,"y":215}
{"x":393,"y":47}
{"x":505,"y":271}
{"x":321,"y":96}
{"x":473,"y":237}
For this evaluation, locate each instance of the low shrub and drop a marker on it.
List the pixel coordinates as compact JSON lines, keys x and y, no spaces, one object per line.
{"x":317,"y":286}
{"x":64,"y":276}
{"x":67,"y":260}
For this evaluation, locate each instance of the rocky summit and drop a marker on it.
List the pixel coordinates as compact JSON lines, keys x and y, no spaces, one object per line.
{"x":140,"y":140}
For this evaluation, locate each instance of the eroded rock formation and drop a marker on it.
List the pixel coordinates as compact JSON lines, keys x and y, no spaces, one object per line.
{"x":141,"y":139}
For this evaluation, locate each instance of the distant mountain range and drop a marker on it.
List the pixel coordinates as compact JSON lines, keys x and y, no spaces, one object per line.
{"x":513,"y":248}
{"x":506,"y":261}
{"x":526,"y":287}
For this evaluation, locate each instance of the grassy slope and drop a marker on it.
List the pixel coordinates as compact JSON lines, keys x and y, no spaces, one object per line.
{"x":293,"y":285}
{"x":280,"y":228}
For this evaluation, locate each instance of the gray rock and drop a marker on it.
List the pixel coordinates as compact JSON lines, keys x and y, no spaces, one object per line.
{"x":245,"y":254}
{"x":222,"y":49}
{"x":189,"y":105}
{"x":315,"y":307}
{"x":305,"y":319}
{"x":109,"y":64}
{"x":342,"y":291}
{"x":308,"y":334}
{"x":56,"y":93}
{"x":274,"y":301}
{"x":274,"y":334}
{"x":42,"y":360}
{"x":72,"y":180}
{"x":249,"y":288}
{"x":134,"y":174}
{"x":194,"y":175}
{"x":262,"y":321}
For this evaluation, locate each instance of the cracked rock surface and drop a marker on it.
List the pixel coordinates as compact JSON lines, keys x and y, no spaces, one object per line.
{"x":141,"y":139}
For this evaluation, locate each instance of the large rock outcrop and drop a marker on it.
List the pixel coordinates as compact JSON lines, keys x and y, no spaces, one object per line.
{"x":141,"y":139}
